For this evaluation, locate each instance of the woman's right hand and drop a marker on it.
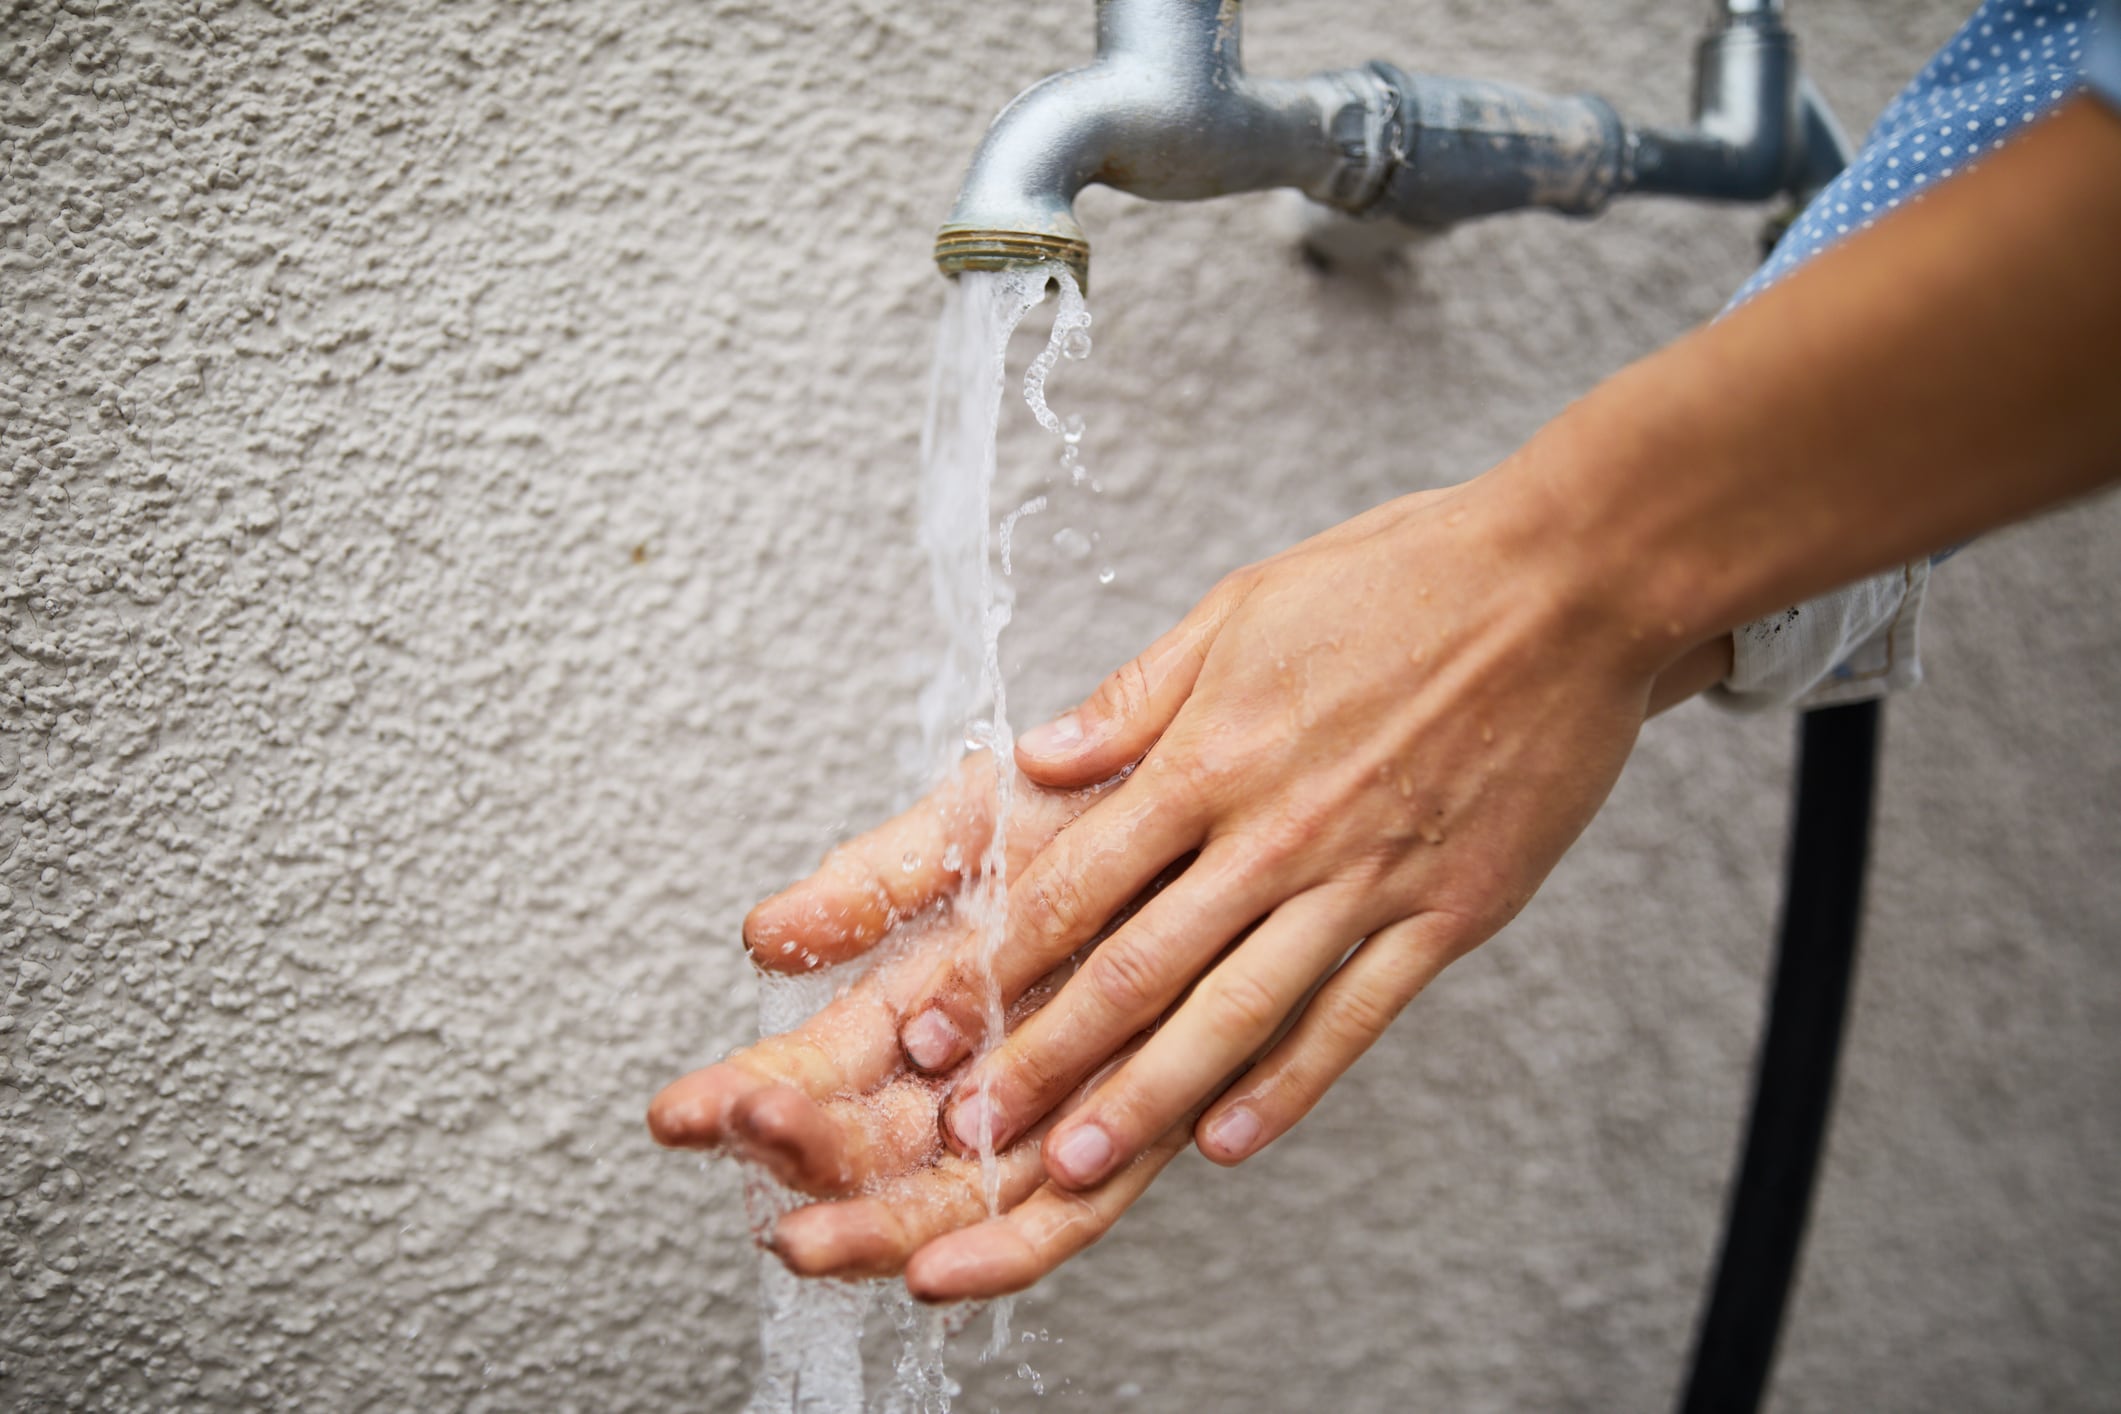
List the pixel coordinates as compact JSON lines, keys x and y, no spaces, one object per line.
{"x":833,"y":1111}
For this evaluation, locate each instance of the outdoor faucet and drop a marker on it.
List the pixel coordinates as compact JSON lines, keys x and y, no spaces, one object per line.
{"x":1167,"y":112}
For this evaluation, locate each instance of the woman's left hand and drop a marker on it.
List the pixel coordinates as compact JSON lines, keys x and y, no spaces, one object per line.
{"x":1373,"y":746}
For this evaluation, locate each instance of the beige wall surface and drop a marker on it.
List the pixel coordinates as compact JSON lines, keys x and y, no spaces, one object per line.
{"x":457,"y":550}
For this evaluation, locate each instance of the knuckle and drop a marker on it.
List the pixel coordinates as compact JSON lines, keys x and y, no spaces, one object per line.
{"x":1032,"y":1076}
{"x":956,"y":993}
{"x":1125,"y":693}
{"x":1273,"y":843}
{"x":1357,"y":1018}
{"x":1056,"y":908}
{"x":1449,"y":936}
{"x":802,"y":1055}
{"x":1231,"y":589}
{"x":1288,"y":833}
{"x":964,"y":1189}
{"x":1132,"y":1110}
{"x":1200,"y":773}
{"x":1124,"y":977}
{"x":1241,"y":1005}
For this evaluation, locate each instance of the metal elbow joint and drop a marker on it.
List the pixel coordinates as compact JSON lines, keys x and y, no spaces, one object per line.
{"x":1747,"y":139}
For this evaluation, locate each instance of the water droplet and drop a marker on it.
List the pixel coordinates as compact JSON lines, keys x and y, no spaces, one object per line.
{"x":1077,"y":344}
{"x":953,"y":858}
{"x":1071,"y":542}
{"x":1072,"y":428}
{"x":1107,"y":575}
{"x":909,"y":861}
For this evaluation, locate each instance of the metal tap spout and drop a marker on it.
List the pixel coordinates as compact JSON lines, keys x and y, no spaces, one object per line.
{"x":1166,"y":112}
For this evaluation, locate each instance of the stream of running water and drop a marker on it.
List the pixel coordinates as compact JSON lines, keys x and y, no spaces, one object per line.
{"x":811,"y":1331}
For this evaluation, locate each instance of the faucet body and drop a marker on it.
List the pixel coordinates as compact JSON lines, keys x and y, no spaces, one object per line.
{"x":1167,"y":112}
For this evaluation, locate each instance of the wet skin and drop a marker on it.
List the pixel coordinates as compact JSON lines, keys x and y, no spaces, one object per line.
{"x":835,"y":1112}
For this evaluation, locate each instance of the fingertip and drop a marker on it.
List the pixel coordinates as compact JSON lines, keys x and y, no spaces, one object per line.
{"x":932,"y":1041}
{"x":837,"y":1239}
{"x":971,"y":1123}
{"x":782,"y":1128}
{"x":931,"y":1280}
{"x":1080,"y":1155}
{"x":794,"y":933}
{"x":1086,"y":767}
{"x":1074,"y":750}
{"x":692,"y":1112}
{"x":773,"y":933}
{"x":946,"y":1017}
{"x":676,"y":1121}
{"x":767,"y":936}
{"x":1230,"y":1135}
{"x":953,"y":1269}
{"x":800,"y":1241}
{"x":1060,"y":739}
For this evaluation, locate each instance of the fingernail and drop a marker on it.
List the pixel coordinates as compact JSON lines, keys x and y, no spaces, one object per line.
{"x":1233,"y":1132}
{"x":1057,"y":737}
{"x":931,"y":1040}
{"x":1083,"y":1154}
{"x":973,"y":1121}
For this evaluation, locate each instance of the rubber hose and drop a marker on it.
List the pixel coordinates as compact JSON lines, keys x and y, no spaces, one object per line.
{"x":1793,"y":1088}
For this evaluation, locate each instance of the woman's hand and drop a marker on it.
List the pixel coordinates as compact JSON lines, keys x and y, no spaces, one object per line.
{"x":832,"y":1110}
{"x":1388,"y":735}
{"x":1376,"y":745}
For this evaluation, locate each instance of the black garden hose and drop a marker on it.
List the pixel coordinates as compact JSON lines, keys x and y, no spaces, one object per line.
{"x":1793,"y":1088}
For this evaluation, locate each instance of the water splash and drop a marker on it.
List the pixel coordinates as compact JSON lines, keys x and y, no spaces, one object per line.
{"x":968,"y":700}
{"x":811,"y":1330}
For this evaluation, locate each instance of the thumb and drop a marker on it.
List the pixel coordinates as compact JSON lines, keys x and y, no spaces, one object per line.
{"x":1117,"y":724}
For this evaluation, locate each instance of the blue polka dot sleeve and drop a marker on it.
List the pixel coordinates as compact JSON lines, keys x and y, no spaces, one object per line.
{"x":2011,"y":64}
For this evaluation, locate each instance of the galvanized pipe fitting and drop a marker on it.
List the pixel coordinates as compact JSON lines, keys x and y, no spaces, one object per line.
{"x":1166,"y":112}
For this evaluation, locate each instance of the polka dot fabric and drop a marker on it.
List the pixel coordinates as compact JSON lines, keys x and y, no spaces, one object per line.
{"x":2013,"y":62}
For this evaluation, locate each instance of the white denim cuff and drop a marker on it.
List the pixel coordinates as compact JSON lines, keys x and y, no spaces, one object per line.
{"x":1848,"y":646}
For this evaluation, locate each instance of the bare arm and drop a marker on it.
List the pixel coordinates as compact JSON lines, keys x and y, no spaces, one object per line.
{"x":1956,"y":368}
{"x":1388,"y":735}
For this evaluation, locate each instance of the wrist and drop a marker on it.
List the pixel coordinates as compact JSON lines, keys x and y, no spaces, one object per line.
{"x":1594,"y":568}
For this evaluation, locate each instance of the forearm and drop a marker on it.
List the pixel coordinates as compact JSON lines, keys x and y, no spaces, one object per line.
{"x":1954,"y":368}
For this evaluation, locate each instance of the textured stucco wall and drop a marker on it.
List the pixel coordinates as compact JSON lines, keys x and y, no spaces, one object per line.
{"x":456,"y":551}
